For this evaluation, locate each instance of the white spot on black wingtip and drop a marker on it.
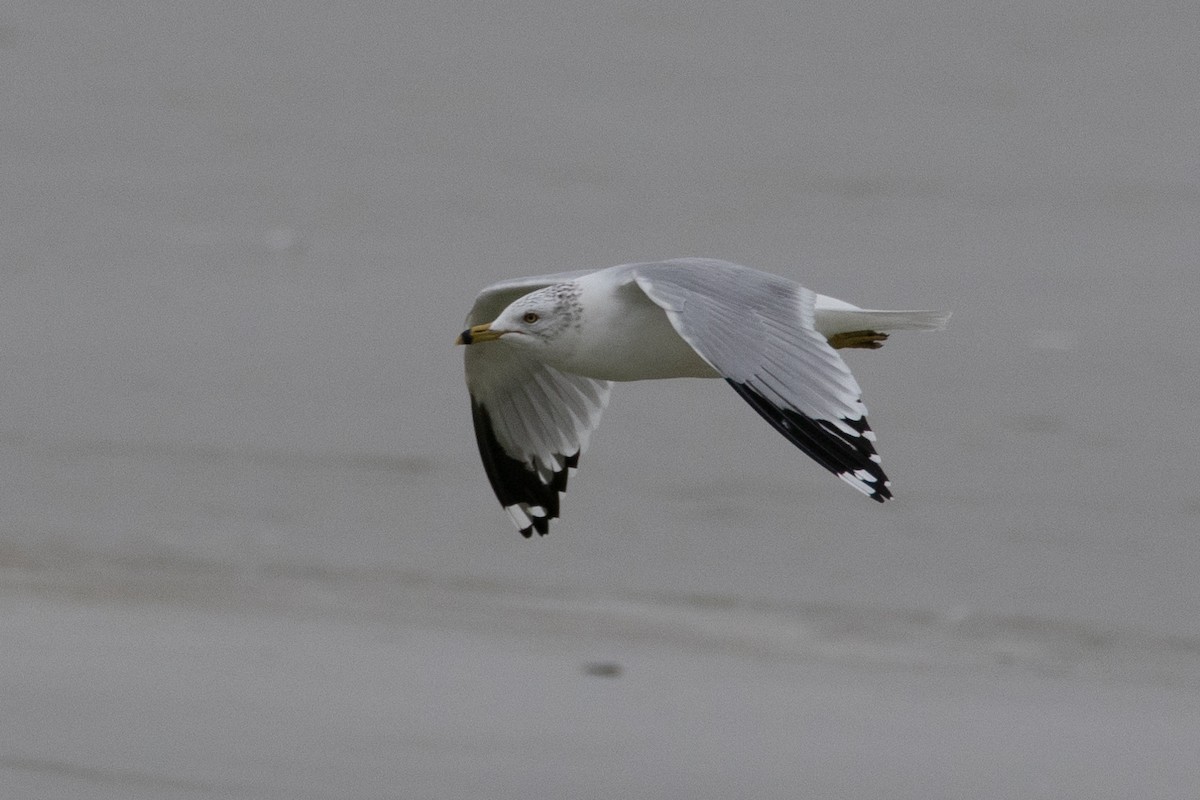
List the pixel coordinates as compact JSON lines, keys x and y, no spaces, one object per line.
{"x":530,"y":499}
{"x":845,"y":447}
{"x":869,"y":483}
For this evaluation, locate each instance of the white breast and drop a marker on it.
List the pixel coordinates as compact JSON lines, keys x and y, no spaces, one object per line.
{"x":624,"y":336}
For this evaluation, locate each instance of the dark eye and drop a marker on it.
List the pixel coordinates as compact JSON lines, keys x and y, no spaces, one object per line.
{"x":530,"y":317}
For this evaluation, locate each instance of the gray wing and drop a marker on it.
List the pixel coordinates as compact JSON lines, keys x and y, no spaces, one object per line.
{"x":756,"y":329}
{"x":531,"y":421}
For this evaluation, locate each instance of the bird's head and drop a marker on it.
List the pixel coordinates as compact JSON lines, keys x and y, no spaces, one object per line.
{"x":540,"y":320}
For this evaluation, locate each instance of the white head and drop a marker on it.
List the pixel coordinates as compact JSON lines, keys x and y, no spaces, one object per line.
{"x":544,"y":320}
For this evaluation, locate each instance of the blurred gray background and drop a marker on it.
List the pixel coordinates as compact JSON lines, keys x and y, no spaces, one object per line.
{"x":246,"y":546}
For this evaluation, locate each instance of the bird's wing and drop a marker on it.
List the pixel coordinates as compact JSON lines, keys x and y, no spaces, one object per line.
{"x":756,"y":329}
{"x":531,"y":420}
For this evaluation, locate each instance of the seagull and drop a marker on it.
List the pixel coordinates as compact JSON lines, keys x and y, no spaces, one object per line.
{"x":542,"y":354}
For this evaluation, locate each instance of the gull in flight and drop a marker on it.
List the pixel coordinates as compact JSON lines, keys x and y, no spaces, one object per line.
{"x":543,"y":353}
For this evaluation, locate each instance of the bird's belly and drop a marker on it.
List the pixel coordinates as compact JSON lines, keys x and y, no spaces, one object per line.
{"x":657,"y":364}
{"x":643,"y":345}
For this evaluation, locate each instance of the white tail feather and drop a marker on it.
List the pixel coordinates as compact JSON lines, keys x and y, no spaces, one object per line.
{"x":831,"y":316}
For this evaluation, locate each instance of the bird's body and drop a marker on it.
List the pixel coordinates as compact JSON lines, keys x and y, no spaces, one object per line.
{"x":623,"y":335}
{"x":545,"y":349}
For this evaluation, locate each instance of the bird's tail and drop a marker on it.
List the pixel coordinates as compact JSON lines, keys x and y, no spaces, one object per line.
{"x":833,"y":316}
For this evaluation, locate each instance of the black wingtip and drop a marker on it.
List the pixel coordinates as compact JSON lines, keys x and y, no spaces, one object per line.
{"x":840,"y":452}
{"x":515,"y":482}
{"x":539,"y":524}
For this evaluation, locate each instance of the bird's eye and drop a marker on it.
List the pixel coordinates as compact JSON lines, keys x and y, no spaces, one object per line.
{"x":530,"y":317}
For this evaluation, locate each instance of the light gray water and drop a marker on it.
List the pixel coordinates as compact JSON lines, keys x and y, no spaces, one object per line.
{"x":237,"y":241}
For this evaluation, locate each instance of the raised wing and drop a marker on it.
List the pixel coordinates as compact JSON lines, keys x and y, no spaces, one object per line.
{"x":531,"y":420}
{"x":756,"y":329}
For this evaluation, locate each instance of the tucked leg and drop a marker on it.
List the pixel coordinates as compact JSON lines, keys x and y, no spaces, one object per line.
{"x":868,"y":340}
